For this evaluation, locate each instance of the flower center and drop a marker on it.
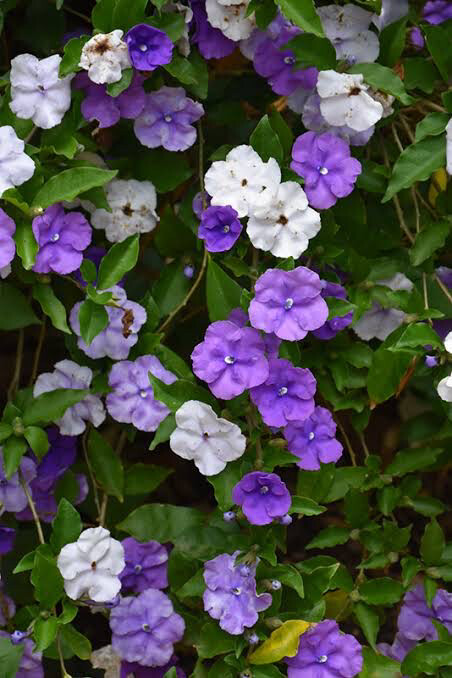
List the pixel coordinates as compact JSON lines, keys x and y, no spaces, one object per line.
{"x":322,"y":659}
{"x":322,"y":170}
{"x":143,"y":394}
{"x":143,"y":48}
{"x":137,"y":568}
{"x":354,"y":92}
{"x":264,"y":489}
{"x":289,"y":60}
{"x":229,"y":360}
{"x":282,"y":391}
{"x":55,"y":237}
{"x":205,"y":435}
{"x":93,"y":565}
{"x":146,"y":627}
{"x":236,"y":591}
{"x":168,"y":118}
{"x":226,"y":229}
{"x":288,"y":303}
{"x":244,"y":182}
{"x":312,"y":435}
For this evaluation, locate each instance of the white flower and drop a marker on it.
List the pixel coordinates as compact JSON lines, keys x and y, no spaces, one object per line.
{"x":243,"y":180}
{"x":68,"y":374}
{"x":347,"y":28}
{"x":386,"y":100}
{"x":285,"y":227}
{"x":183,"y":44}
{"x":231,"y":18}
{"x":16,"y":167}
{"x":104,"y":57}
{"x":91,"y":565}
{"x":391,"y":10}
{"x":378,"y":323}
{"x":444,"y":389}
{"x":105,"y":658}
{"x":37,"y":92}
{"x":207,"y":439}
{"x":345,"y":101}
{"x":132,"y":205}
{"x":448,"y":343}
{"x":449,"y":146}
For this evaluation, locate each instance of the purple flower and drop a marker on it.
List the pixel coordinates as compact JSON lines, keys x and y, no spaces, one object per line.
{"x":30,"y":663}
{"x":325,"y":652}
{"x":328,"y":169}
{"x":145,"y":627}
{"x":132,"y":398}
{"x":335,"y":325}
{"x":189,"y":272}
{"x":212,"y":43}
{"x":231,"y":593}
{"x":230,"y":359}
{"x":416,"y":38}
{"x":415,"y":617}
{"x":314,"y":440}
{"x":167,"y":118}
{"x":7,"y":538}
{"x":286,"y":395}
{"x":62,"y":237}
{"x":288,"y":303}
{"x":12,"y":495}
{"x":146,"y":565}
{"x":431,"y":361}
{"x":278,"y":65}
{"x":445,"y":274}
{"x":239,"y":317}
{"x":197,"y":203}
{"x":124,"y":322}
{"x":262,"y":496}
{"x":219,"y":228}
{"x":399,"y":649}
{"x":107,"y":110}
{"x":437,"y":11}
{"x":7,"y":244}
{"x":148,"y":47}
{"x":139,"y":671}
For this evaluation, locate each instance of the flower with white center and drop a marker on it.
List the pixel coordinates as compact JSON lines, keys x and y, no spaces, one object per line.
{"x":208,"y":440}
{"x":231,"y":18}
{"x":345,"y":101}
{"x":284,"y":227}
{"x":448,"y":343}
{"x":132,"y":205}
{"x":15,"y":165}
{"x":444,"y":389}
{"x":347,"y":28}
{"x":449,"y":147}
{"x":104,"y":57}
{"x":37,"y":91}
{"x":68,"y":374}
{"x":90,"y":565}
{"x":378,"y":322}
{"x":243,"y":181}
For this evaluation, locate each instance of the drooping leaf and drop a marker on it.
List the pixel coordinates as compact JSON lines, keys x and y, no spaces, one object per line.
{"x":303,"y":14}
{"x":283,"y":642}
{"x":68,"y":184}
{"x":119,"y":259}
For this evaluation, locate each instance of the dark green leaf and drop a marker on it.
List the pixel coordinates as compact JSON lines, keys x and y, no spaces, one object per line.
{"x":116,"y":88}
{"x":213,"y":641}
{"x":44,"y":632}
{"x":413,"y":336}
{"x":15,"y":311}
{"x":303,"y":14}
{"x":306,"y":507}
{"x":71,"y":57}
{"x":51,"y":306}
{"x":378,"y":666}
{"x":386,"y":373}
{"x":432,"y":125}
{"x":176,"y":394}
{"x":144,"y":478}
{"x":413,"y":459}
{"x":13,"y":451}
{"x":166,"y":170}
{"x":432,"y":543}
{"x":384,"y":591}
{"x":163,"y":432}
{"x":330,"y":536}
{"x":438,"y":43}
{"x":265,"y":141}
{"x":67,"y":526}
{"x":369,"y":621}
{"x":427,"y":658}
{"x":223,"y":293}
{"x":37,"y":439}
{"x":428,"y":241}
{"x":392,"y":42}
{"x":79,"y":645}
{"x":26,"y":245}
{"x":49,"y":407}
{"x":106,"y":465}
{"x":224,"y":482}
{"x":420,"y":73}
{"x":67,"y":185}
{"x":47,"y":580}
{"x":93,"y":318}
{"x":311,"y":50}
{"x":161,"y":522}
{"x":10,"y":656}
{"x":384,"y":79}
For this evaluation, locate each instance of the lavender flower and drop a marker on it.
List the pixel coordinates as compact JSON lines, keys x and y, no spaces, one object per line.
{"x":399,"y":648}
{"x":146,"y":566}
{"x":167,"y":120}
{"x":347,"y":29}
{"x":144,"y":628}
{"x":230,"y":359}
{"x":313,"y":440}
{"x":415,"y":617}
{"x":131,"y":400}
{"x":313,"y":120}
{"x":286,"y":395}
{"x":12,"y":494}
{"x":288,"y":303}
{"x":437,"y":11}
{"x":107,"y":110}
{"x":7,"y":244}
{"x":416,"y":38}
{"x":335,"y":325}
{"x":231,"y":593}
{"x":263,"y":497}
{"x":7,"y":538}
{"x":327,"y":167}
{"x":30,"y":663}
{"x":219,"y":228}
{"x":149,"y":47}
{"x":197,"y":203}
{"x":212,"y":43}
{"x":325,"y":652}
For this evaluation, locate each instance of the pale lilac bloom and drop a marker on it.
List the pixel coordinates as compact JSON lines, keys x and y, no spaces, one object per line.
{"x":107,"y":110}
{"x":313,"y":120}
{"x":391,"y":10}
{"x":263,"y":497}
{"x":314,"y":440}
{"x":7,"y":244}
{"x":415,"y":617}
{"x":399,"y":648}
{"x":197,"y":203}
{"x":149,"y":47}
{"x":16,"y":167}
{"x":330,"y":329}
{"x":437,"y":11}
{"x":12,"y":494}
{"x":62,"y":237}
{"x":379,"y":322}
{"x":146,"y":565}
{"x":347,"y":28}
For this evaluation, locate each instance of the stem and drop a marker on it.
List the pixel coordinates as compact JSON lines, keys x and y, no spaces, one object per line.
{"x":90,"y":472}
{"x":37,"y":356}
{"x":416,"y":209}
{"x":30,"y":134}
{"x":443,"y":288}
{"x":347,"y":441}
{"x":103,"y":509}
{"x":407,"y":128}
{"x":396,"y":138}
{"x":434,"y":107}
{"x":425,"y":203}
{"x":18,"y":366}
{"x":252,"y":425}
{"x":364,"y":445}
{"x":32,"y":509}
{"x":425,"y":290}
{"x":64,"y":673}
{"x":395,"y":199}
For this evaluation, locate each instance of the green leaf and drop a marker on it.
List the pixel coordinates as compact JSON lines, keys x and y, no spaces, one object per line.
{"x":283,"y":642}
{"x":71,"y":57}
{"x":266,"y":142}
{"x":338,"y":307}
{"x":51,"y":306}
{"x":49,"y":407}
{"x":330,"y":536}
{"x":427,"y":658}
{"x":386,"y":373}
{"x":79,"y":645}
{"x":432,"y":125}
{"x":224,"y":482}
{"x":67,"y":526}
{"x":114,"y":89}
{"x":303,"y":14}
{"x":5,"y":431}
{"x":26,"y":245}
{"x":190,"y":71}
{"x":163,"y":432}
{"x":47,"y":580}
{"x":432,"y":543}
{"x":311,"y":50}
{"x":384,"y":79}
{"x":15,"y":311}
{"x":383,"y":591}
{"x":165,"y":169}
{"x":378,"y":666}
{"x":128,"y":13}
{"x":161,"y":522}
{"x":10,"y":656}
{"x":44,"y":632}
{"x":426,"y":506}
{"x":411,"y":460}
{"x":106,"y":465}
{"x":420,"y":73}
{"x":392,"y":42}
{"x":194,"y":587}
{"x":144,"y":478}
{"x":171,"y":288}
{"x":283,"y":131}
{"x":67,"y":185}
{"x":213,"y":641}
{"x":172,"y":673}
{"x":414,"y":335}
{"x":223,"y":293}
{"x":120,"y":259}
{"x":69,"y":613}
{"x":37,"y":439}
{"x":176,"y":394}
{"x":171,"y":24}
{"x":369,"y":621}
{"x":416,"y":163}
{"x":13,"y":451}
{"x":428,"y":241}
{"x":306,"y":506}
{"x":93,"y":318}
{"x":438,"y":43}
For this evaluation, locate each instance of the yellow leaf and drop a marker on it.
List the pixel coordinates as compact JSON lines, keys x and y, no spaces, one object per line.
{"x":283,"y":642}
{"x":440,"y":178}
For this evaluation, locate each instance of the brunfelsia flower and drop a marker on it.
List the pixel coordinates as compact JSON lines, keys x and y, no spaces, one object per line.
{"x":91,"y":565}
{"x":37,"y":91}
{"x":243,"y":181}
{"x":391,"y":10}
{"x":146,"y":566}
{"x":30,"y":665}
{"x":16,"y":167}
{"x":314,"y":440}
{"x":7,"y":538}
{"x":335,"y":325}
{"x":444,"y":389}
{"x":230,"y":18}
{"x":347,"y":28}
{"x":231,"y":594}
{"x":263,"y":497}
{"x":167,"y":120}
{"x":219,"y":228}
{"x":416,"y":38}
{"x":148,"y":46}
{"x":210,"y":441}
{"x":131,"y":399}
{"x":139,"y":671}
{"x":62,"y":237}
{"x":288,"y":303}
{"x":286,"y":395}
{"x":211,"y":42}
{"x":230,"y":359}
{"x":145,"y":628}
{"x":415,"y":616}
{"x":325,"y":652}
{"x":437,"y":11}
{"x":125,"y":320}
{"x":285,"y":226}
{"x":107,"y":110}
{"x":7,"y":244}
{"x":399,"y":648}
{"x":12,"y":494}
{"x":68,"y":374}
{"x":105,"y":56}
{"x":313,"y":120}
{"x":325,"y":163}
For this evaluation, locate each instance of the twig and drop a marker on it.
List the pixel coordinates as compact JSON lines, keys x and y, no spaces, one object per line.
{"x":425,"y":290}
{"x":30,"y":134}
{"x":425,"y":203}
{"x":443,"y":288}
{"x":37,"y":356}
{"x":347,"y":441}
{"x":364,"y":445}
{"x":407,"y":128}
{"x":396,"y":138}
{"x":434,"y":107}
{"x":32,"y":509}
{"x":416,"y":209}
{"x":17,"y":367}
{"x":64,"y":673}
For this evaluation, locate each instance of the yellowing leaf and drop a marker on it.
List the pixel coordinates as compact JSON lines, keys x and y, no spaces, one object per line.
{"x":440,"y":179}
{"x":282,"y":643}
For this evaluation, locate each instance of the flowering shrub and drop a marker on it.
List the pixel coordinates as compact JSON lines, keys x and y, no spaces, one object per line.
{"x":225,"y":300}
